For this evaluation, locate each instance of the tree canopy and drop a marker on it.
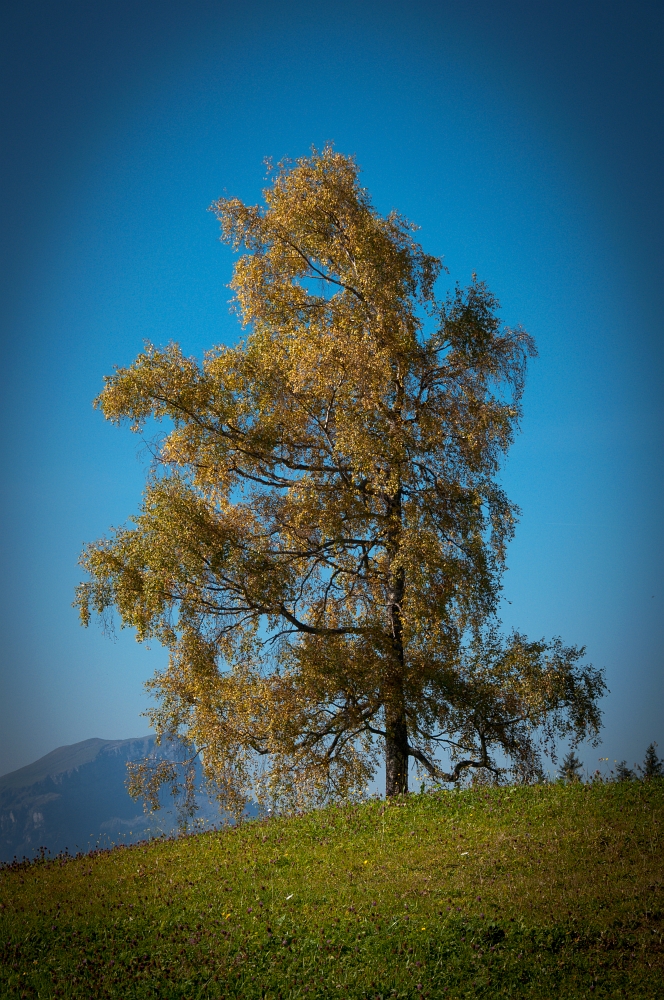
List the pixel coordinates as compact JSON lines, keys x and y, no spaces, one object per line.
{"x":322,"y":536}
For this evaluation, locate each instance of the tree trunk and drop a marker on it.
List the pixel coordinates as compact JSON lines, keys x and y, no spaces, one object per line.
{"x":396,"y":755}
{"x":396,"y":729}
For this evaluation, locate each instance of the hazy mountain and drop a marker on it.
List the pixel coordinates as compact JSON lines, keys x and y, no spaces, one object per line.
{"x":75,"y":799}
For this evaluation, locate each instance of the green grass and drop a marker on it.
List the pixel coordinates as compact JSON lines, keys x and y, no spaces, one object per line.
{"x":547,"y":891}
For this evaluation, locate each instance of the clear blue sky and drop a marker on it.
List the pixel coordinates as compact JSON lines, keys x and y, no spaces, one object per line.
{"x":526,"y":140}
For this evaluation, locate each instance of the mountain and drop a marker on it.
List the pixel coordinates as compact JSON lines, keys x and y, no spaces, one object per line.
{"x":75,"y":799}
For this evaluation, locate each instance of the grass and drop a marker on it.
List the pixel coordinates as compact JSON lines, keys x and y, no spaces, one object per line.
{"x":545,"y":891}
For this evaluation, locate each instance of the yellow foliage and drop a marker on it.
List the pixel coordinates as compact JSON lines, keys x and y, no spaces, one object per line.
{"x":323,"y":527}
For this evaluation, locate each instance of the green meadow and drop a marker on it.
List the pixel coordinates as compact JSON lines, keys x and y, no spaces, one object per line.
{"x":541,"y":891}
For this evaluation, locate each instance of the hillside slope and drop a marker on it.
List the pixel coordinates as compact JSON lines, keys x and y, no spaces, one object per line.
{"x":546,"y":891}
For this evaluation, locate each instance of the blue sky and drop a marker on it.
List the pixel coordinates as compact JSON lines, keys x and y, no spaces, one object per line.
{"x":525,"y":140}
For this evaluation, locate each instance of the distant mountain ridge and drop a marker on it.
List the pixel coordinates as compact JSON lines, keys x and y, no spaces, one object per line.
{"x":63,"y":760}
{"x":75,"y":799}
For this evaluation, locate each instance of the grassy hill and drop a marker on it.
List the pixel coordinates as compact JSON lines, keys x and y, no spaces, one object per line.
{"x":547,"y":891}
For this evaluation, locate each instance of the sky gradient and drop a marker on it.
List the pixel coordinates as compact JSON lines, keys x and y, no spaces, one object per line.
{"x":526,"y":141}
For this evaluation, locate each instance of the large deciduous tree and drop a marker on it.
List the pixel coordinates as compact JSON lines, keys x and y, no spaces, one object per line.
{"x":321,"y":540}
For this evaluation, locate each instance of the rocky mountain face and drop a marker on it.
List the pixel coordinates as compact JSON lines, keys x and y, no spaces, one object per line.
{"x":75,"y":799}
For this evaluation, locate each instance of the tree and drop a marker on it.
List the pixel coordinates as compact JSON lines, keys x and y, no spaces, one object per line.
{"x":322,"y":537}
{"x":652,"y":767}
{"x":623,"y":772}
{"x":570,"y":769}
